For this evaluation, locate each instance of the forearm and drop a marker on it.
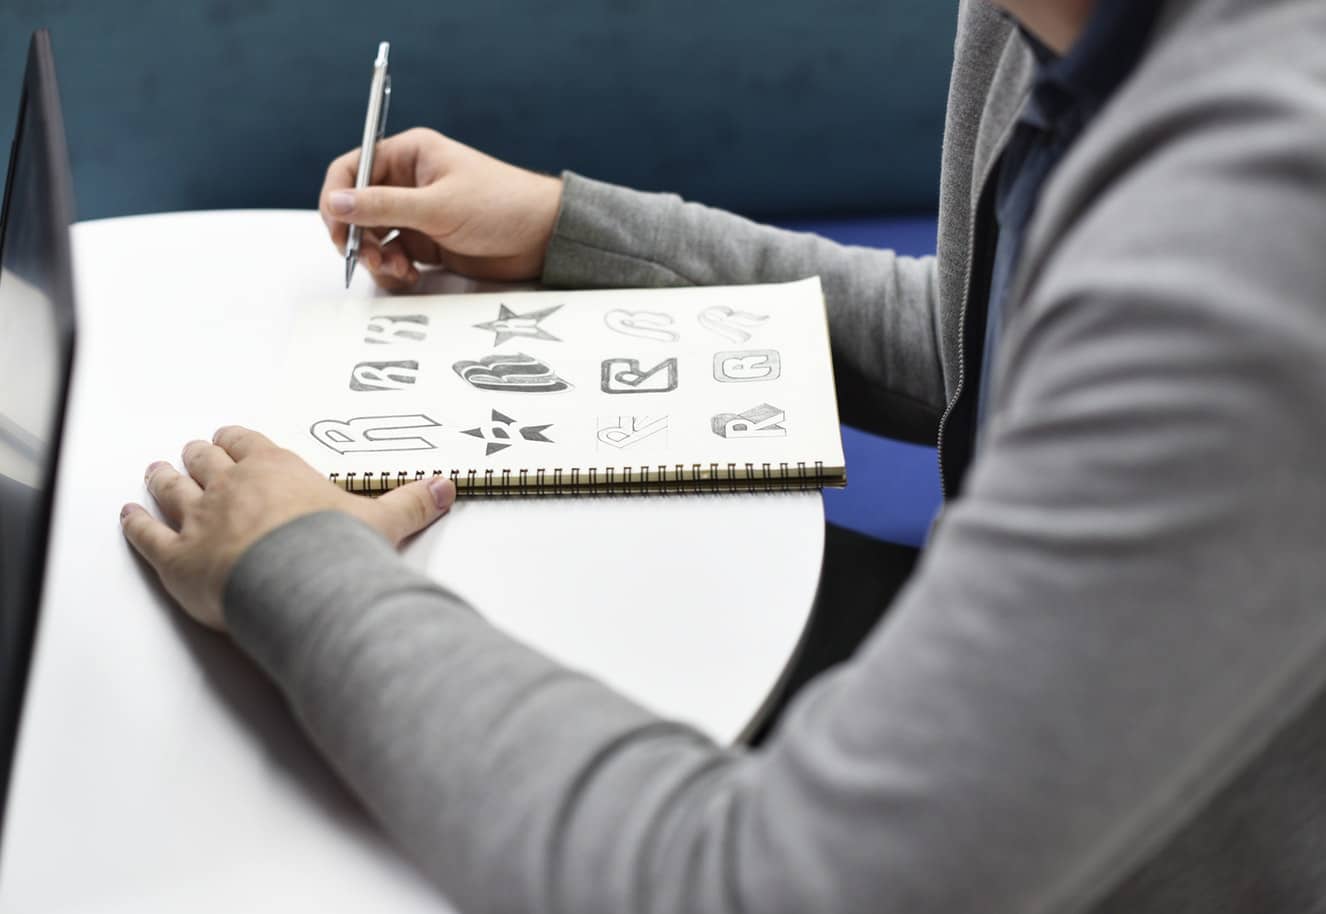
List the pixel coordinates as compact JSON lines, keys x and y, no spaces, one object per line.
{"x":881,"y":307}
{"x":484,"y":759}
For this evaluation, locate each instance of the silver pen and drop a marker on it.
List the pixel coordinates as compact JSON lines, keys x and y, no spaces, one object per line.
{"x":375,"y":125}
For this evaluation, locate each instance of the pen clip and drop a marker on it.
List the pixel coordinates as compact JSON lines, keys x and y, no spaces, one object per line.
{"x":386,"y":106}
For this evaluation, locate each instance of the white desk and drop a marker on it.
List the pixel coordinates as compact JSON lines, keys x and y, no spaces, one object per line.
{"x":157,"y":771}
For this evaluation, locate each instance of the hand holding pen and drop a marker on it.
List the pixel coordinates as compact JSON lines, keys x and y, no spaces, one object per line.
{"x":454,"y":206}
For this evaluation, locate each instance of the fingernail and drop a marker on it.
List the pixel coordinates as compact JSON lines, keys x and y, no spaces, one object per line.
{"x":443,"y":492}
{"x":124,"y":512}
{"x":342,"y":202}
{"x":152,"y":468}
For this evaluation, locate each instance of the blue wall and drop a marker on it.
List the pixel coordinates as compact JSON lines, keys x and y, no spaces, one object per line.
{"x":778,"y":107}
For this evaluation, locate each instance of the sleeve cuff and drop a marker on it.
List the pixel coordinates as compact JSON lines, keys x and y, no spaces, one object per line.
{"x":610,"y":236}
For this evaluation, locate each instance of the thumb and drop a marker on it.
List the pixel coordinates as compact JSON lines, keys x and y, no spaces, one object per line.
{"x":397,"y":207}
{"x":407,"y":509}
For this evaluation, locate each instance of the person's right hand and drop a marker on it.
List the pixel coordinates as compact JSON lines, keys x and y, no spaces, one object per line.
{"x":454,"y":206}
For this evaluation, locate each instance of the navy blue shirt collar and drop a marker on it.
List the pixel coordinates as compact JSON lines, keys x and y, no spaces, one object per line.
{"x":1082,"y":80}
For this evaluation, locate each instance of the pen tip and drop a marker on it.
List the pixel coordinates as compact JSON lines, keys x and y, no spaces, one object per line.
{"x":349,"y":270}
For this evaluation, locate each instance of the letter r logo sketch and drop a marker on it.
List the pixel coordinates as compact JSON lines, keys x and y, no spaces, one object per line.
{"x":625,"y":376}
{"x":747,"y":365}
{"x":763,"y":421}
{"x":375,"y":434}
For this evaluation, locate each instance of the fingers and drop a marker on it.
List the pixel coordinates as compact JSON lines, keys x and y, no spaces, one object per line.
{"x":240,"y":442}
{"x":406,"y":510}
{"x":391,"y":268}
{"x":205,"y":461}
{"x":419,"y":247}
{"x":394,"y":271}
{"x":152,"y":539}
{"x":403,"y":207}
{"x":173,"y":491}
{"x":396,"y":162}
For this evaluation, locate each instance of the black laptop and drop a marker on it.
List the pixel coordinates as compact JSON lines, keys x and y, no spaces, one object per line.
{"x":36,"y":355}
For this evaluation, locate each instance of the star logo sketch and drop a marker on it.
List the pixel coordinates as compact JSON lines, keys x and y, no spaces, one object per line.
{"x":510,"y":325}
{"x":499,"y":434}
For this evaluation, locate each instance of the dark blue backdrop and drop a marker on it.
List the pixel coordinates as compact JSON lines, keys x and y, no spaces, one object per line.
{"x":777,"y":107}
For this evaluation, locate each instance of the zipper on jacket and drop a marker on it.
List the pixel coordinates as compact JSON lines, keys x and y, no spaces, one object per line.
{"x":980,"y":273}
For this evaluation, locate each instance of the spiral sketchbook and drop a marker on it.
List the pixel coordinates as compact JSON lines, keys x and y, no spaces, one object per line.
{"x":548,"y":392}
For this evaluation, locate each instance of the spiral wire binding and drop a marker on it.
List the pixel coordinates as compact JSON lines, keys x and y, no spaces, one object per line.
{"x":643,"y":480}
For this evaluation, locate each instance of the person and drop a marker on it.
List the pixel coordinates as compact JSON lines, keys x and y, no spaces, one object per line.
{"x":1103,"y":690}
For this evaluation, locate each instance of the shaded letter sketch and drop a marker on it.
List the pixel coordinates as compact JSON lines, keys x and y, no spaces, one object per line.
{"x":648,"y":325}
{"x":371,"y":434}
{"x":516,"y":373}
{"x":498,"y":433}
{"x":757,"y":422}
{"x":397,"y":328}
{"x":383,"y":375}
{"x":625,"y":376}
{"x":730,"y":325}
{"x":627,"y":431}
{"x":510,"y":325}
{"x":747,"y":365}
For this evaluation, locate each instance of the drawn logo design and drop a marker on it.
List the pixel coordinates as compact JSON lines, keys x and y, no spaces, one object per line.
{"x":730,"y":325}
{"x":368,"y":434}
{"x":498,"y":433}
{"x":510,"y":325}
{"x":761,"y":421}
{"x":626,"y":431}
{"x":397,"y":328}
{"x":517,"y":373}
{"x":383,"y":375}
{"x":648,"y":325}
{"x":748,"y":365}
{"x":624,"y":376}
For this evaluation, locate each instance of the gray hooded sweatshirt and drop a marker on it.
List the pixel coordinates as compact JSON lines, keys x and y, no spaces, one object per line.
{"x":1104,"y":689}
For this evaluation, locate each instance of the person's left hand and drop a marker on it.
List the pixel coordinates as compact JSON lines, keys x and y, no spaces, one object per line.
{"x":238,"y":488}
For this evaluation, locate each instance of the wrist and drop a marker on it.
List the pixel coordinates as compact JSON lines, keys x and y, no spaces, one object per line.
{"x":546,"y":207}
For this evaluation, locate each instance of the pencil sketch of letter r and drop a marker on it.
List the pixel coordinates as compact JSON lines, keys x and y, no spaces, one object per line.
{"x":763,"y":421}
{"x":384,"y":375}
{"x":373,"y":434}
{"x":396,"y":328}
{"x":747,"y":365}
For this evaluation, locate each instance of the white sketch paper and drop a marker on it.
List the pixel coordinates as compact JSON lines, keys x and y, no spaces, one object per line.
{"x":470,"y":386}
